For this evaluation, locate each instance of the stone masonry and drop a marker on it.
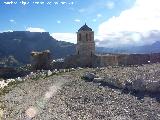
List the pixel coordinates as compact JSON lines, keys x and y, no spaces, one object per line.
{"x":41,"y":60}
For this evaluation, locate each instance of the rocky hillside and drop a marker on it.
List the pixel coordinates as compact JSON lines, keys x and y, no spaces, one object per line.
{"x":19,"y":44}
{"x":64,"y":95}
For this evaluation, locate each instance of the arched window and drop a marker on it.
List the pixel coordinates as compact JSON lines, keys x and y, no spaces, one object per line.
{"x":79,"y":37}
{"x":90,"y":37}
{"x":86,"y":37}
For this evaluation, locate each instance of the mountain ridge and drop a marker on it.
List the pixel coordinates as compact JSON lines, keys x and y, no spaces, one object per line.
{"x":21,"y":43}
{"x":145,"y":49}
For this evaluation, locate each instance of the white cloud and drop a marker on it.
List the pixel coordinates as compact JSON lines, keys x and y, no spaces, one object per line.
{"x":31,"y":29}
{"x":58,"y":21}
{"x":99,"y":15}
{"x":77,"y":20}
{"x":94,"y":20}
{"x":133,"y":26}
{"x":68,"y":37}
{"x":6,"y":31}
{"x":12,"y":21}
{"x":81,"y":10}
{"x":110,"y":5}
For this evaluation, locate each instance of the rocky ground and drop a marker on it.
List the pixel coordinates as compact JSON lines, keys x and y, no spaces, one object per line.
{"x":65,"y":96}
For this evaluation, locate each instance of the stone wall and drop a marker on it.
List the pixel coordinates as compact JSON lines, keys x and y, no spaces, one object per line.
{"x":79,"y":61}
{"x":138,"y":59}
{"x":155,"y":57}
{"x":6,"y":72}
{"x":126,"y":59}
{"x":58,"y":65}
{"x":41,"y":60}
{"x":104,"y":60}
{"x":111,"y":59}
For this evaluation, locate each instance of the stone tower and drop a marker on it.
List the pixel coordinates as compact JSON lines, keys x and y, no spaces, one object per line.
{"x":85,"y":49}
{"x":85,"y":41}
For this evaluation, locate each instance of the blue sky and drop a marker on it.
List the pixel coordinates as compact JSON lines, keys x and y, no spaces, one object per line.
{"x":68,"y":14}
{"x":62,"y":18}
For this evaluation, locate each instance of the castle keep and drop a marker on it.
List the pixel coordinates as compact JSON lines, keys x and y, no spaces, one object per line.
{"x":85,"y":49}
{"x":85,"y":41}
{"x":86,"y":57}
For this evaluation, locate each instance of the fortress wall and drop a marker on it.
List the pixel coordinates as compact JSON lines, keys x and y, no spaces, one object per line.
{"x":138,"y":59}
{"x":105,"y":60}
{"x":108,"y":60}
{"x":125,"y":59}
{"x":113,"y":60}
{"x":122,"y":59}
{"x":78,"y":61}
{"x":133,"y":59}
{"x":58,"y":65}
{"x":70,"y":61}
{"x":155,"y":57}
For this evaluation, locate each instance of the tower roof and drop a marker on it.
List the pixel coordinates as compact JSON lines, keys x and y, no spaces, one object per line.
{"x":85,"y":28}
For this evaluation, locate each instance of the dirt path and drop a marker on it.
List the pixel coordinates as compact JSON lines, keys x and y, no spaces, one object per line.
{"x":28,"y":99}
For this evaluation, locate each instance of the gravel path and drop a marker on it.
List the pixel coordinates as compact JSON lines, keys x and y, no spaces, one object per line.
{"x":28,"y":99}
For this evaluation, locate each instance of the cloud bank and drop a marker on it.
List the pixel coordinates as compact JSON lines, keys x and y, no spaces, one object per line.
{"x":31,"y":29}
{"x":137,"y":26}
{"x":68,"y":37}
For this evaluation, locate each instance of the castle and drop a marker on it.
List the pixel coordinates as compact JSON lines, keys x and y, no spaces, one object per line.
{"x":86,"y":56}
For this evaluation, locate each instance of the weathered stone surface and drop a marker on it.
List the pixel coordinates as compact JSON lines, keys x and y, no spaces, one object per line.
{"x":89,"y":76}
{"x":153,"y":86}
{"x":139,"y":85}
{"x":41,"y":60}
{"x":49,"y":73}
{"x":146,"y":85}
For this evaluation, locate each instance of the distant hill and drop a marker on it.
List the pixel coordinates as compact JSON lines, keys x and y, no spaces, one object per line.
{"x":154,"y":48}
{"x":19,"y":44}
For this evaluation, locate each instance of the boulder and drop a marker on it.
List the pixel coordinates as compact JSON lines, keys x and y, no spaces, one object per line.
{"x":146,"y":85}
{"x":139,"y":85}
{"x":49,"y":73}
{"x":89,"y":76}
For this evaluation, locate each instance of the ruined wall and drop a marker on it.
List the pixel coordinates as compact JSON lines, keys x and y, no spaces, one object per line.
{"x":126,"y":59}
{"x":58,"y":65}
{"x":138,"y":59}
{"x":41,"y":60}
{"x":104,"y":60}
{"x":7,"y":72}
{"x":78,"y":61}
{"x":155,"y":57}
{"x":111,"y":59}
{"x":71,"y":61}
